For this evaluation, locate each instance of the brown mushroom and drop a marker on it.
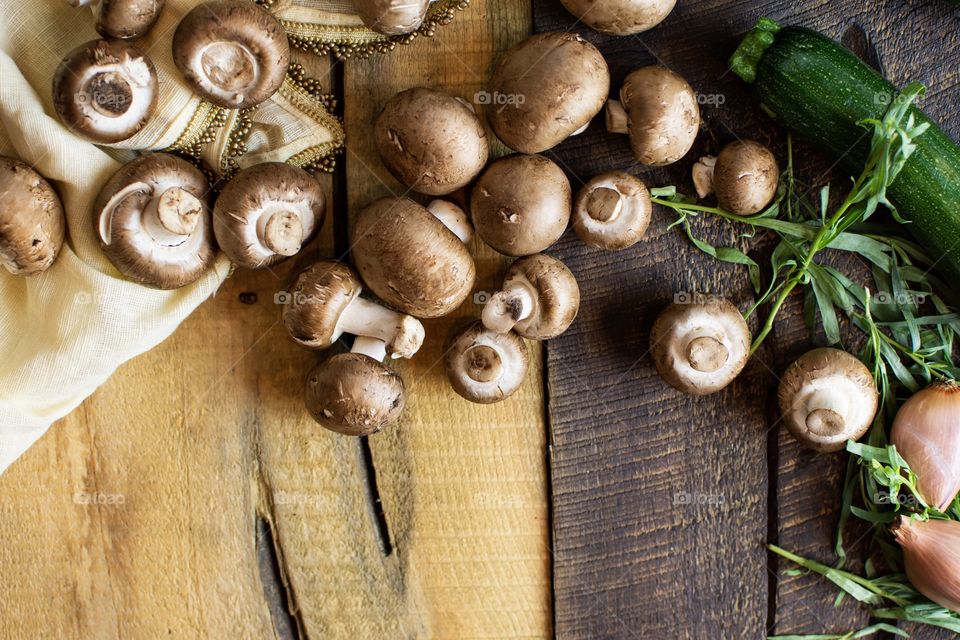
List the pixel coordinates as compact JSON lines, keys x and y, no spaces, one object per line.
{"x":484,"y":366}
{"x":233,"y":53}
{"x":267,"y":213}
{"x":32,"y":223}
{"x":124,"y":19}
{"x":700,"y":345}
{"x":539,"y":299}
{"x":546,"y":89}
{"x":612,"y":211}
{"x":744,"y":176}
{"x":410,"y":259}
{"x":105,"y":90}
{"x":354,"y":394}
{"x":392,"y":17}
{"x":659,"y":110}
{"x":430,"y":141}
{"x":324,"y":303}
{"x":153,"y":221}
{"x":620,"y":17}
{"x":521,"y":204}
{"x":827,"y":397}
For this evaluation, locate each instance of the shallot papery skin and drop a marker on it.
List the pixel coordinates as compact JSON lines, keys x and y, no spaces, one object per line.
{"x":931,"y":552}
{"x":926,"y":433}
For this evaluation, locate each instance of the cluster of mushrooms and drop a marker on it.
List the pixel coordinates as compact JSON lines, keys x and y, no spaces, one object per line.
{"x":159,"y":225}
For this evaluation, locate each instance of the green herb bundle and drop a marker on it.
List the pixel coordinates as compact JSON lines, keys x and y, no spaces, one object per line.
{"x":909,"y":334}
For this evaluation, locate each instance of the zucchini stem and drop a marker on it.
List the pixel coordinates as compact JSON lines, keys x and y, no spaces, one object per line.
{"x":746,"y":58}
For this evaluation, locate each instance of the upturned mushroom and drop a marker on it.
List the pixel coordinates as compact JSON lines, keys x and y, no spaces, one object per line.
{"x":827,"y":397}
{"x":521,"y":204}
{"x":153,"y":221}
{"x":392,"y":17}
{"x":105,"y":90}
{"x":430,"y":141}
{"x":484,"y":366}
{"x":659,"y":110}
{"x":546,"y":89}
{"x":700,"y":345}
{"x":233,"y":53}
{"x":414,"y":258}
{"x":539,"y":299}
{"x":32,"y":223}
{"x":124,"y":19}
{"x":612,"y":211}
{"x":620,"y":17}
{"x":354,"y":394}
{"x":324,"y":303}
{"x":744,"y":176}
{"x":267,"y":213}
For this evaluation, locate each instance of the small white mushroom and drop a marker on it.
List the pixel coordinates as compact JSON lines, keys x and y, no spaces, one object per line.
{"x":539,"y":299}
{"x":701,"y":346}
{"x":233,"y":53}
{"x":324,"y":303}
{"x":827,"y":397}
{"x":105,"y":90}
{"x":268,"y":213}
{"x":484,"y":366}
{"x":32,"y":222}
{"x":153,"y":221}
{"x":612,"y":211}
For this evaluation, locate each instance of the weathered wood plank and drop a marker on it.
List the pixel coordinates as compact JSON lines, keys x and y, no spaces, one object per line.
{"x":464,"y":487}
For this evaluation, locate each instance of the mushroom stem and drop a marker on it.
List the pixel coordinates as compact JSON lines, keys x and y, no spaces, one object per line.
{"x":703,"y":175}
{"x":483,"y":363}
{"x":453,"y":218}
{"x":508,"y":307}
{"x":366,"y":319}
{"x":179,"y":211}
{"x":617,"y":119}
{"x":604,"y":204}
{"x":370,"y":347}
{"x":82,"y":3}
{"x":281,"y":231}
{"x":707,"y":354}
{"x":826,"y":411}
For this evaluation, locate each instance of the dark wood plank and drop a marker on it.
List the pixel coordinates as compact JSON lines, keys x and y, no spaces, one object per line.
{"x":629,"y":561}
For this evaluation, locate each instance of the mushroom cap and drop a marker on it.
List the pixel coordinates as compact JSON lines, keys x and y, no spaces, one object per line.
{"x":827,"y":374}
{"x":318,"y":298}
{"x":137,"y":249}
{"x":126,"y":19}
{"x":664,"y":115}
{"x":620,"y":17}
{"x":484,"y":366}
{"x":431,"y":141}
{"x":272,"y":193}
{"x":105,"y":90}
{"x":545,"y":89}
{"x":745,"y":177}
{"x":410,"y":260}
{"x":233,"y":53}
{"x":612,"y":211}
{"x":521,"y":204}
{"x":32,"y":223}
{"x":353,"y":394}
{"x":558,"y":296}
{"x":702,"y":346}
{"x":392,"y":17}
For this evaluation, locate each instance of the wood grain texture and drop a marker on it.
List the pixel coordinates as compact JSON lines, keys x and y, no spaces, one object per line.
{"x":619,"y":538}
{"x":464,"y":487}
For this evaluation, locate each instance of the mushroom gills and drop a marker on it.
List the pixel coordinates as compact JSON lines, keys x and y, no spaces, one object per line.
{"x":484,"y":366}
{"x":231,"y":69}
{"x":170,"y":219}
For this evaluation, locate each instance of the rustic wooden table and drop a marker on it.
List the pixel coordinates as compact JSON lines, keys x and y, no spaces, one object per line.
{"x":192,"y":498}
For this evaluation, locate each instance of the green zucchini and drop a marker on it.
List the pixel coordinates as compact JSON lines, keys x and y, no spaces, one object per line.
{"x":821,"y":91}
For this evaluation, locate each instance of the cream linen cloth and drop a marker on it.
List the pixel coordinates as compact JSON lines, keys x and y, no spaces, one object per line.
{"x":64,"y":332}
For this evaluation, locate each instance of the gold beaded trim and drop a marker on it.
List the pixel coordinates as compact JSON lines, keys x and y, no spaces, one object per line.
{"x":360,"y":42}
{"x":202,"y":129}
{"x":318,"y":106}
{"x":236,"y":143}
